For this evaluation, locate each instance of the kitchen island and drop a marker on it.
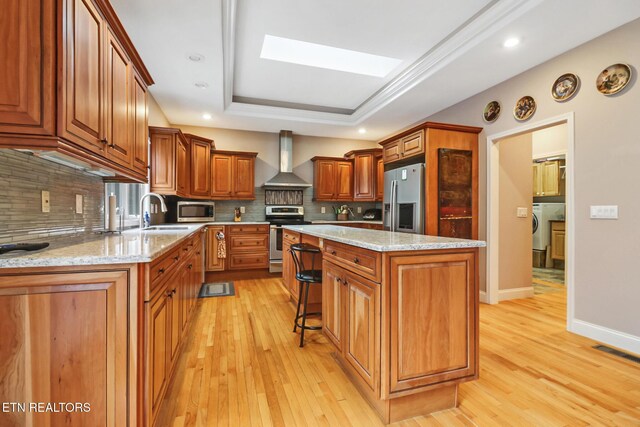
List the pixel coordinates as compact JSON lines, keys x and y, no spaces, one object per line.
{"x":402,"y":312}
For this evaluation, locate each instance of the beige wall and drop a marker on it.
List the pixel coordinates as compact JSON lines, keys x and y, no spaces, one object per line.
{"x":156,"y":116}
{"x":515,"y":191}
{"x":267,"y":147}
{"x":550,"y":141}
{"x":607,"y":155}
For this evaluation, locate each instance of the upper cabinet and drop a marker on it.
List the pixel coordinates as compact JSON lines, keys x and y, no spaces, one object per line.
{"x":169,"y":162}
{"x":233,"y":175}
{"x":200,"y":158}
{"x":404,"y":147}
{"x":379,"y":178}
{"x":365,"y":174}
{"x":72,"y":82}
{"x":332,"y":179}
{"x":548,"y":178}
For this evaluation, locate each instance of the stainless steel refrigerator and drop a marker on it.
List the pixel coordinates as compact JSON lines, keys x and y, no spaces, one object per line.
{"x":404,"y":199}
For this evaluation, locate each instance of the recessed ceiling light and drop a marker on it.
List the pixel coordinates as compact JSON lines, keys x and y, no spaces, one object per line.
{"x":196,"y":57}
{"x":511,"y":42}
{"x":362,"y":131}
{"x":202,"y":85}
{"x":206,"y":116}
{"x":321,"y":56}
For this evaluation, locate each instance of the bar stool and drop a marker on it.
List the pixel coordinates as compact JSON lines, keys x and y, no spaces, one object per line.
{"x":306,"y":277}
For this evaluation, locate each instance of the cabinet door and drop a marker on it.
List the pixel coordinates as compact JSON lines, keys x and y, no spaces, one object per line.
{"x":537,"y":179}
{"x":140,"y":129}
{"x":557,"y":240}
{"x":174,"y":310}
{"x":27,"y":73}
{"x":83,"y":90}
{"x":391,"y":152}
{"x":412,"y":145}
{"x":333,"y":302}
{"x":433,"y":309}
{"x":200,"y":168}
{"x":65,"y":339}
{"x":324,"y":179}
{"x":288,"y":270}
{"x":157,"y":315}
{"x":221,"y":176}
{"x":243,"y":177}
{"x":214,"y":263}
{"x":163,"y":163}
{"x":186,"y":287}
{"x":379,"y":179}
{"x":182,"y":167}
{"x":344,"y":181}
{"x":550,"y":178}
{"x":364,"y":177}
{"x":119,"y":127}
{"x":362,"y":327}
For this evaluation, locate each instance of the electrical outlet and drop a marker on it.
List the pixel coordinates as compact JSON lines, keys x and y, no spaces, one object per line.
{"x":78,"y":203}
{"x":46,"y":202}
{"x":604,"y":212}
{"x":241,"y":209}
{"x":359,"y":209}
{"x":521,"y":212}
{"x":323,"y":210}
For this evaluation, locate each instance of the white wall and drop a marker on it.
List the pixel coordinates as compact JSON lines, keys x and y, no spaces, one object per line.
{"x":607,"y":155}
{"x":550,"y":141}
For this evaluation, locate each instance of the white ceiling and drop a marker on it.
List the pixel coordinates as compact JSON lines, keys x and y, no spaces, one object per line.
{"x":449,"y":51}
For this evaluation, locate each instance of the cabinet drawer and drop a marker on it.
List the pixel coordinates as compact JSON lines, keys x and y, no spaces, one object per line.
{"x":249,"y":242}
{"x":361,"y":261}
{"x":160,"y":269}
{"x":243,"y":261}
{"x":291,"y":236}
{"x":258,"y":228}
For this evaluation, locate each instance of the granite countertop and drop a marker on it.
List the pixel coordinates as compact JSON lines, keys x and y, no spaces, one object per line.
{"x":132,"y":246}
{"x":232,"y":223}
{"x":383,"y":241}
{"x":354,"y":221}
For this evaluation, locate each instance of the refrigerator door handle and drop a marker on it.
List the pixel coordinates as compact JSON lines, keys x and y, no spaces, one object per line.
{"x":394,"y":205}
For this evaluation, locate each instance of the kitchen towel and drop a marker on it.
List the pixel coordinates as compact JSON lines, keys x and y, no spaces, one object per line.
{"x":222,"y":246}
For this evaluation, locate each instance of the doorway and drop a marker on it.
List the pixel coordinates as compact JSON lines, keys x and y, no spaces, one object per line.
{"x":494,"y":293}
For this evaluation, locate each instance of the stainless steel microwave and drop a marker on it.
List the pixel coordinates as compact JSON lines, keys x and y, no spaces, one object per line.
{"x":196,"y":212}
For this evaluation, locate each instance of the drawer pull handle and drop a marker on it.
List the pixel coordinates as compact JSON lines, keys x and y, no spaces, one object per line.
{"x":356,"y":260}
{"x":185,"y":249}
{"x":344,"y":282}
{"x":339,"y":280}
{"x":161,"y":271}
{"x":190,"y":266}
{"x":169,"y":294}
{"x":177,"y":257}
{"x":333,"y":252}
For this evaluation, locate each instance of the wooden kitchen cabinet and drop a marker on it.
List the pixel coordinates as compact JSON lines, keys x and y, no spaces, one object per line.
{"x":157,"y":317}
{"x":288,"y":268}
{"x":548,"y":178}
{"x":200,"y":166}
{"x":365,"y":174}
{"x":247,"y":248}
{"x":67,"y":84}
{"x":140,"y":115}
{"x":405,"y":147}
{"x":233,"y":175}
{"x":169,"y":162}
{"x":558,"y":234}
{"x":66,"y":338}
{"x":333,"y":297}
{"x":214,"y":263}
{"x":379,"y":178}
{"x":332,"y":179}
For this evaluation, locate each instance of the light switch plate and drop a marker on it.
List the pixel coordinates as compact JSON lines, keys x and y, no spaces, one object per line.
{"x":521,"y":212}
{"x":359,"y":209}
{"x":604,"y":212}
{"x":46,"y":202}
{"x":242,"y":209}
{"x":323,"y":210}
{"x":78,"y":203}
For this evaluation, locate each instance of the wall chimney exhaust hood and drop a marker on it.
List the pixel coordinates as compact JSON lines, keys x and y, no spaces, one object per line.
{"x":286,"y":179}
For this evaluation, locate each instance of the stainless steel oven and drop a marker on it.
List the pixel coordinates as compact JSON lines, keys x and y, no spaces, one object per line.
{"x":196,"y":212}
{"x":277,"y":217}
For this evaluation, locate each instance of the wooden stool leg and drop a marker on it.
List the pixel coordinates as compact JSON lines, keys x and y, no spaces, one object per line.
{"x":295,"y":320}
{"x":304,"y":313}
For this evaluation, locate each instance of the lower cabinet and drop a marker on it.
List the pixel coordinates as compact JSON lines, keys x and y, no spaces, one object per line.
{"x":214,"y":262}
{"x":350,"y":320}
{"x":557,"y":240}
{"x":247,"y":247}
{"x":66,"y":338}
{"x":314,"y":303}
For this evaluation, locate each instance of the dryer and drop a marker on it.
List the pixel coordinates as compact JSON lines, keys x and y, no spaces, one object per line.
{"x":542,"y":214}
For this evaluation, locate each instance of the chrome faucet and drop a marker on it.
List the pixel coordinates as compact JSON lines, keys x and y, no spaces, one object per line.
{"x":163,"y":206}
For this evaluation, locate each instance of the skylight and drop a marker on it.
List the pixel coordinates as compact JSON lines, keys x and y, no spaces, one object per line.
{"x":321,"y":56}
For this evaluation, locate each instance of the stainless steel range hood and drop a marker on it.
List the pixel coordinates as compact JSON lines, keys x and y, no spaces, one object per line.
{"x":286,"y":179}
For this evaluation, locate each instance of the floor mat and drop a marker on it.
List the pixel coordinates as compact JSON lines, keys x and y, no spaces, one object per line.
{"x":223,"y":289}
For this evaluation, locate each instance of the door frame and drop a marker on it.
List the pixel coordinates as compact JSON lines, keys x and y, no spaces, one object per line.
{"x":493,"y":205}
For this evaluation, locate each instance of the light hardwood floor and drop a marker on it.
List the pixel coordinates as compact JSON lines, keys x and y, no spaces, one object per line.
{"x":242,"y":367}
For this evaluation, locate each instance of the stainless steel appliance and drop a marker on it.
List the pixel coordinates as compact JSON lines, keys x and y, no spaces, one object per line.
{"x":372,"y":215}
{"x":277,"y":217}
{"x":196,"y":212}
{"x":404,"y":199}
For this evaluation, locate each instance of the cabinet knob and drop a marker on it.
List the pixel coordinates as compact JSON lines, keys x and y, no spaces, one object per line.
{"x":190,"y":266}
{"x":356,"y":260}
{"x":339,"y":280}
{"x":169,"y":294}
{"x":177,"y":257}
{"x":333,"y":252}
{"x":344,"y":282}
{"x":105,"y":141}
{"x":161,"y":271}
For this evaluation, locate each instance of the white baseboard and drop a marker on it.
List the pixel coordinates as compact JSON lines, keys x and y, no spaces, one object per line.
{"x":605,"y":335}
{"x":483,"y":297}
{"x":515,"y":293}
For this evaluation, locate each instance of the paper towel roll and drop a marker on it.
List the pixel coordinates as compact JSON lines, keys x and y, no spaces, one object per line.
{"x":113,"y":220}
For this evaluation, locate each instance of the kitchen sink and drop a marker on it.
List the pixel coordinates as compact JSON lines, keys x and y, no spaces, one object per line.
{"x":167,"y":227}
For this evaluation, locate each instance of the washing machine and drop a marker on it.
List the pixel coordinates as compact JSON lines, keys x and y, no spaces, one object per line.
{"x":542,"y":214}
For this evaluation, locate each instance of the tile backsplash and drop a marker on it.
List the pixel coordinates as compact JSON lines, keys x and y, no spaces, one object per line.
{"x":23,"y":177}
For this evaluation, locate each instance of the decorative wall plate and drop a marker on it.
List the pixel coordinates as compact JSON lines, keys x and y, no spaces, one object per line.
{"x":525,"y":107}
{"x":565,"y":87}
{"x":613,"y":79}
{"x":491,"y":112}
